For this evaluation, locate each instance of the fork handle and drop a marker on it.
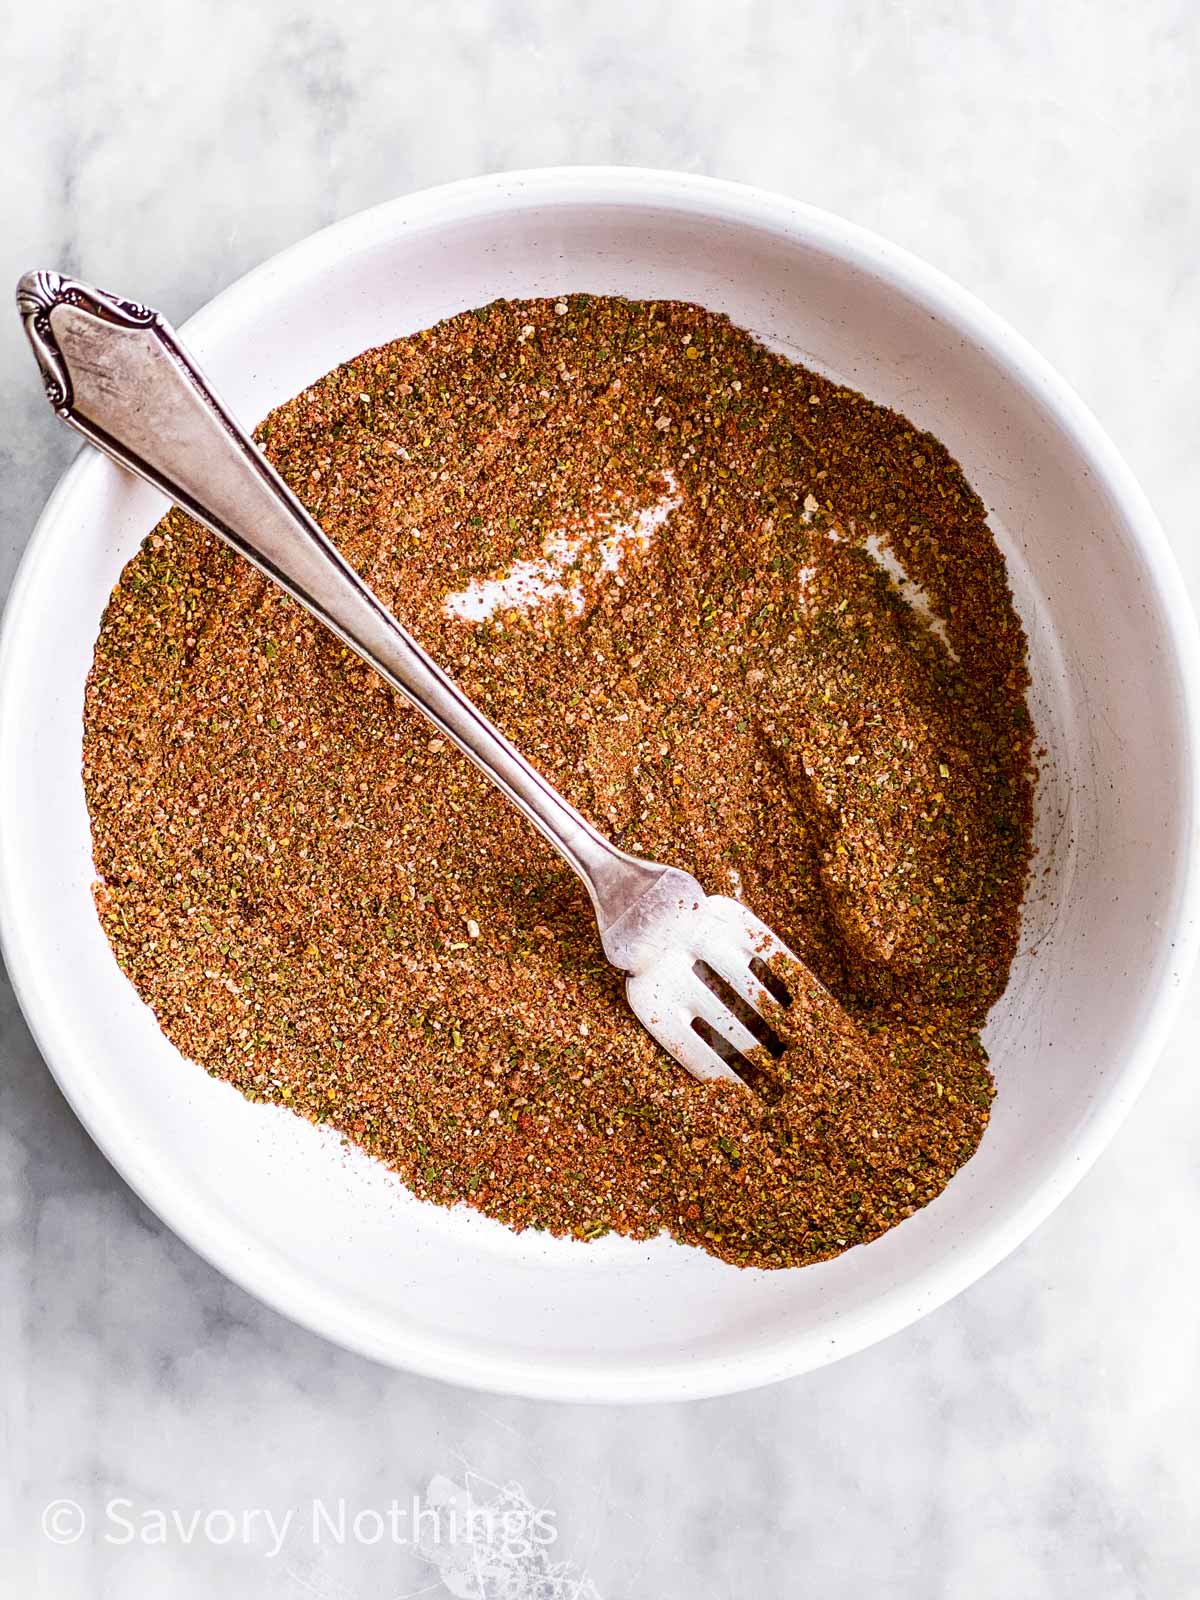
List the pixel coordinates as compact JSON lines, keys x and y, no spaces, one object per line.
{"x":115,"y":371}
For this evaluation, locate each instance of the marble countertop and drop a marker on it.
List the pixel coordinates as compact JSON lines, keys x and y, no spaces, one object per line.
{"x":1035,"y":1438}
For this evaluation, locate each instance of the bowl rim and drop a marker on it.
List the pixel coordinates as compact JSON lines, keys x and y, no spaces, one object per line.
{"x":717,"y":201}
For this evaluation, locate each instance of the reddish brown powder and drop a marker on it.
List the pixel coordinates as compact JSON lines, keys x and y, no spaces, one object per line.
{"x":332,"y":910}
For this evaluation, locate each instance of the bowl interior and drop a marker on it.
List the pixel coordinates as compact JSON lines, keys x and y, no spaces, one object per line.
{"x":336,"y":1241}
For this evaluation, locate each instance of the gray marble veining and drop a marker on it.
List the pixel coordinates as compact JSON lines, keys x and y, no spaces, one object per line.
{"x":1037,"y":1437}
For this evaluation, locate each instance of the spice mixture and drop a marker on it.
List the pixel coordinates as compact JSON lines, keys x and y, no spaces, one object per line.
{"x":749,"y":622}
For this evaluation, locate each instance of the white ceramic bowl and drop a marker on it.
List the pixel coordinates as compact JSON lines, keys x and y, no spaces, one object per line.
{"x":336,"y":1242}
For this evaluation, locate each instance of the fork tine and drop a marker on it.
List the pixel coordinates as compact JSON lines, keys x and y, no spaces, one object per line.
{"x":690,"y":959}
{"x":701,"y":1060}
{"x":716,"y":1013}
{"x":743,"y":982}
{"x":660,"y":1000}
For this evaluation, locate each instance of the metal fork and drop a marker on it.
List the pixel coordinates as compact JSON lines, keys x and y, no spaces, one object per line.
{"x":702,"y":970}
